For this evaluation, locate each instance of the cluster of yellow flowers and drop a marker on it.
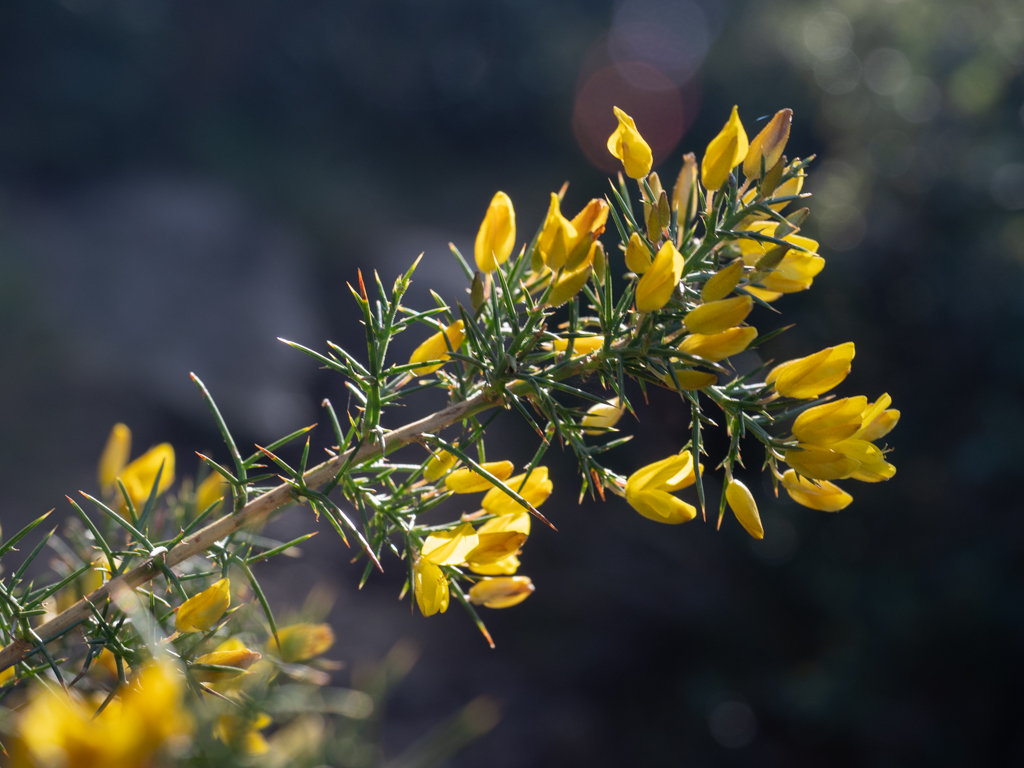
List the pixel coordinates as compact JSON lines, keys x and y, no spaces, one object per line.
{"x":763,"y":258}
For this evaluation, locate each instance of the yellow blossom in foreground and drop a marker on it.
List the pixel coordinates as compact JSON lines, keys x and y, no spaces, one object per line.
{"x":139,"y":476}
{"x":722,"y":283}
{"x":495,"y":547}
{"x":569,"y":284}
{"x":830,"y":422}
{"x":879,"y":419}
{"x":601,"y":417}
{"x":517,"y":520}
{"x":581,"y":345}
{"x":450,"y":547}
{"x":438,"y":466}
{"x":6,"y":676}
{"x":211,"y":490}
{"x":814,"y":375}
{"x":638,"y":255}
{"x":768,"y":144}
{"x":741,"y":502}
{"x":718,"y":346}
{"x":466,"y":480}
{"x":689,"y":379}
{"x":505,"y":567}
{"x":436,"y":348}
{"x":852,"y":457}
{"x":301,"y":642}
{"x":497,"y":234}
{"x":656,"y":286}
{"x":239,"y":658}
{"x":629,"y":146}
{"x":823,"y":496}
{"x":716,"y":316}
{"x":796,"y":271}
{"x":649,"y":490}
{"x":430,"y":586}
{"x":724,"y":153}
{"x":200,"y":612}
{"x":243,"y":733}
{"x":589,"y":221}
{"x":536,"y":491}
{"x":114,"y":457}
{"x":557,"y":237}
{"x":501,"y":592}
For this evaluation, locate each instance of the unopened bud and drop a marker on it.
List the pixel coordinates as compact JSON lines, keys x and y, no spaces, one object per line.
{"x":664,"y":212}
{"x":771,"y":180}
{"x":600,"y":262}
{"x":684,"y":196}
{"x":721,"y":285}
{"x":476,"y":293}
{"x":638,"y":255}
{"x":653,"y":224}
{"x":767,"y":146}
{"x":655,"y":182}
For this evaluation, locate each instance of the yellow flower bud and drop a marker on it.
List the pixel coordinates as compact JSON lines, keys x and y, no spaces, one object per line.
{"x":435,"y":348}
{"x":139,"y":476}
{"x":814,"y":375}
{"x":689,"y":379}
{"x":684,"y":196}
{"x":240,"y":658}
{"x":536,"y":491}
{"x":430,"y":586}
{"x":581,"y":345}
{"x":830,"y":422}
{"x":505,"y":567}
{"x":879,"y":419}
{"x":501,"y":592}
{"x":496,"y":547}
{"x":821,"y":462}
{"x":450,"y":547}
{"x":200,"y":612}
{"x":741,"y":502}
{"x":768,"y":144}
{"x":569,"y":284}
{"x":7,"y":676}
{"x":301,"y":642}
{"x":466,"y":480}
{"x":557,"y":238}
{"x":649,"y":490}
{"x":723,"y":282}
{"x":638,"y":255}
{"x":438,"y":466}
{"x":724,"y":153}
{"x":497,"y":234}
{"x":601,"y":417}
{"x":517,"y":519}
{"x":211,"y":490}
{"x":656,"y":286}
{"x":629,"y":146}
{"x":823,"y":495}
{"x":716,"y":316}
{"x":114,"y":457}
{"x":718,"y":346}
{"x":791,"y":187}
{"x":592,"y":219}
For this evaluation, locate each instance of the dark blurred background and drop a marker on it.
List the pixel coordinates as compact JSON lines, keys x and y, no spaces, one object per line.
{"x":182,"y":182}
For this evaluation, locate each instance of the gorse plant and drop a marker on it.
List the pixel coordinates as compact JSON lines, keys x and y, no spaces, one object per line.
{"x":194,"y":669}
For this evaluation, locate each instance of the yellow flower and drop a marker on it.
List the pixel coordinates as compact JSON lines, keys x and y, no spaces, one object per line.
{"x":629,"y":146}
{"x":450,"y":547}
{"x":649,"y":490}
{"x":497,"y":234}
{"x":638,"y":255}
{"x":718,"y":346}
{"x":689,"y":379}
{"x":509,"y":519}
{"x":879,"y":419}
{"x":300,"y":642}
{"x":466,"y":480}
{"x":656,"y":286}
{"x":569,"y":284}
{"x":724,"y":153}
{"x":581,"y":345}
{"x":591,"y":220}
{"x":438,"y":466}
{"x":495,"y":547}
{"x":139,"y":476}
{"x":431,"y":587}
{"x":796,"y":271}
{"x":723,"y":282}
{"x":768,"y":144}
{"x":505,"y":567}
{"x":716,"y":316}
{"x":601,"y":417}
{"x":684,"y":196}
{"x":239,"y":658}
{"x":558,"y":236}
{"x":791,"y":187}
{"x":814,"y":375}
{"x":830,"y":422}
{"x":114,"y":457}
{"x":200,"y":612}
{"x":536,"y":491}
{"x":243,"y":732}
{"x":435,"y":348}
{"x":852,"y":457}
{"x":823,"y":496}
{"x":211,"y":490}
{"x":501,"y":592}
{"x":741,"y":502}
